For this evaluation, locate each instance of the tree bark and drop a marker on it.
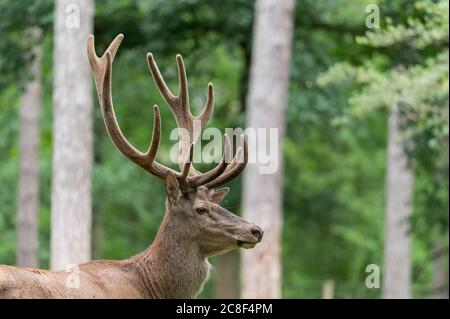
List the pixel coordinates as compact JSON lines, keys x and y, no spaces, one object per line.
{"x":226,"y":285}
{"x":72,"y":135}
{"x":399,"y":196}
{"x":440,"y":271}
{"x":28,"y":190}
{"x":266,"y":105}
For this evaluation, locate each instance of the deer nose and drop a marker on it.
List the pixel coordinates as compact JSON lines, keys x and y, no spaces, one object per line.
{"x":257,"y":232}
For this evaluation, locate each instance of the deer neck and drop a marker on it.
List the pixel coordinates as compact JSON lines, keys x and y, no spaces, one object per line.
{"x":172,"y":267}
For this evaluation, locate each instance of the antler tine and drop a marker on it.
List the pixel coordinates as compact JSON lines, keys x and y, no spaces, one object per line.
{"x":236,"y":160}
{"x":189,"y":177}
{"x":109,"y":116}
{"x":238,"y":157}
{"x":235,"y":168}
{"x":148,"y":160}
{"x":209,"y":106}
{"x":156,"y":136}
{"x":183,"y":97}
{"x":183,"y":93}
{"x":144,"y":160}
{"x":209,"y":176}
{"x":179,"y":106}
{"x":188,"y":163}
{"x":98,"y":64}
{"x":159,"y":81}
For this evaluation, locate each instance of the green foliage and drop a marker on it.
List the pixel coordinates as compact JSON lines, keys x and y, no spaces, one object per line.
{"x":343,"y":80}
{"x":8,"y":173}
{"x":419,"y":89}
{"x":417,"y":86}
{"x":429,"y":26}
{"x":16,"y":20}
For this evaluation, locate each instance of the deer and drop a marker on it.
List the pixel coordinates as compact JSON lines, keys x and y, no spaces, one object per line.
{"x":194,"y":226}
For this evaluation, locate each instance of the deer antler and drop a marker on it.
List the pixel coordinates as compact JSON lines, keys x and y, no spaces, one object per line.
{"x":188,"y":177}
{"x":179,"y":105}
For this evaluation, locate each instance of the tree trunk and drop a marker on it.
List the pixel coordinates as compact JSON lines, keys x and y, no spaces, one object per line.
{"x":440,"y":255}
{"x":72,"y":135}
{"x":266,"y":105}
{"x":28,"y":192}
{"x":226,"y":285}
{"x":399,"y":196}
{"x":440,"y":271}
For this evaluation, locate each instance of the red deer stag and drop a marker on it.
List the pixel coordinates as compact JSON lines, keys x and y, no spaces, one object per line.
{"x":194,"y":227}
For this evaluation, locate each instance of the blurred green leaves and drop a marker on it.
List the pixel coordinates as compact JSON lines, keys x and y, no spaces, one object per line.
{"x":343,"y":80}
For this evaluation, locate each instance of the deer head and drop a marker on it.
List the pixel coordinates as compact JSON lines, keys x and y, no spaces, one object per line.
{"x":193,"y":203}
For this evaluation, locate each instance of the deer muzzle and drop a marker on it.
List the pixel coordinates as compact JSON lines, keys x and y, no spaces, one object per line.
{"x":255,"y":237}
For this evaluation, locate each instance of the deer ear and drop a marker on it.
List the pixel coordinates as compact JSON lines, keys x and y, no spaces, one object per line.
{"x":218,"y":195}
{"x":172,"y":188}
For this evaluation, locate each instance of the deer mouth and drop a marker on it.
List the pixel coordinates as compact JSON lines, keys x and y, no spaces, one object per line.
{"x":246,"y":244}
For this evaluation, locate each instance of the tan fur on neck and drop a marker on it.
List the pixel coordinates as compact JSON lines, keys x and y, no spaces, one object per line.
{"x":171,"y":267}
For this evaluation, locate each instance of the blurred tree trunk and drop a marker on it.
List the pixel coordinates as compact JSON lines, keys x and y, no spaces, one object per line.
{"x":440,"y":271}
{"x":226,"y":285}
{"x":97,"y":233}
{"x":440,"y":278}
{"x":28,"y":190}
{"x":72,"y":135}
{"x":266,"y":105}
{"x":328,"y":289}
{"x":399,"y":196}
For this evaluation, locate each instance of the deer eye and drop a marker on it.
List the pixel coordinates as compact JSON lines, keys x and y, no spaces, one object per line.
{"x":202,"y":210}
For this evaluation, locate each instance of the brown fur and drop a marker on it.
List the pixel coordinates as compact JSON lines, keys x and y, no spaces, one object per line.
{"x":174,"y":266}
{"x":195,"y":226}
